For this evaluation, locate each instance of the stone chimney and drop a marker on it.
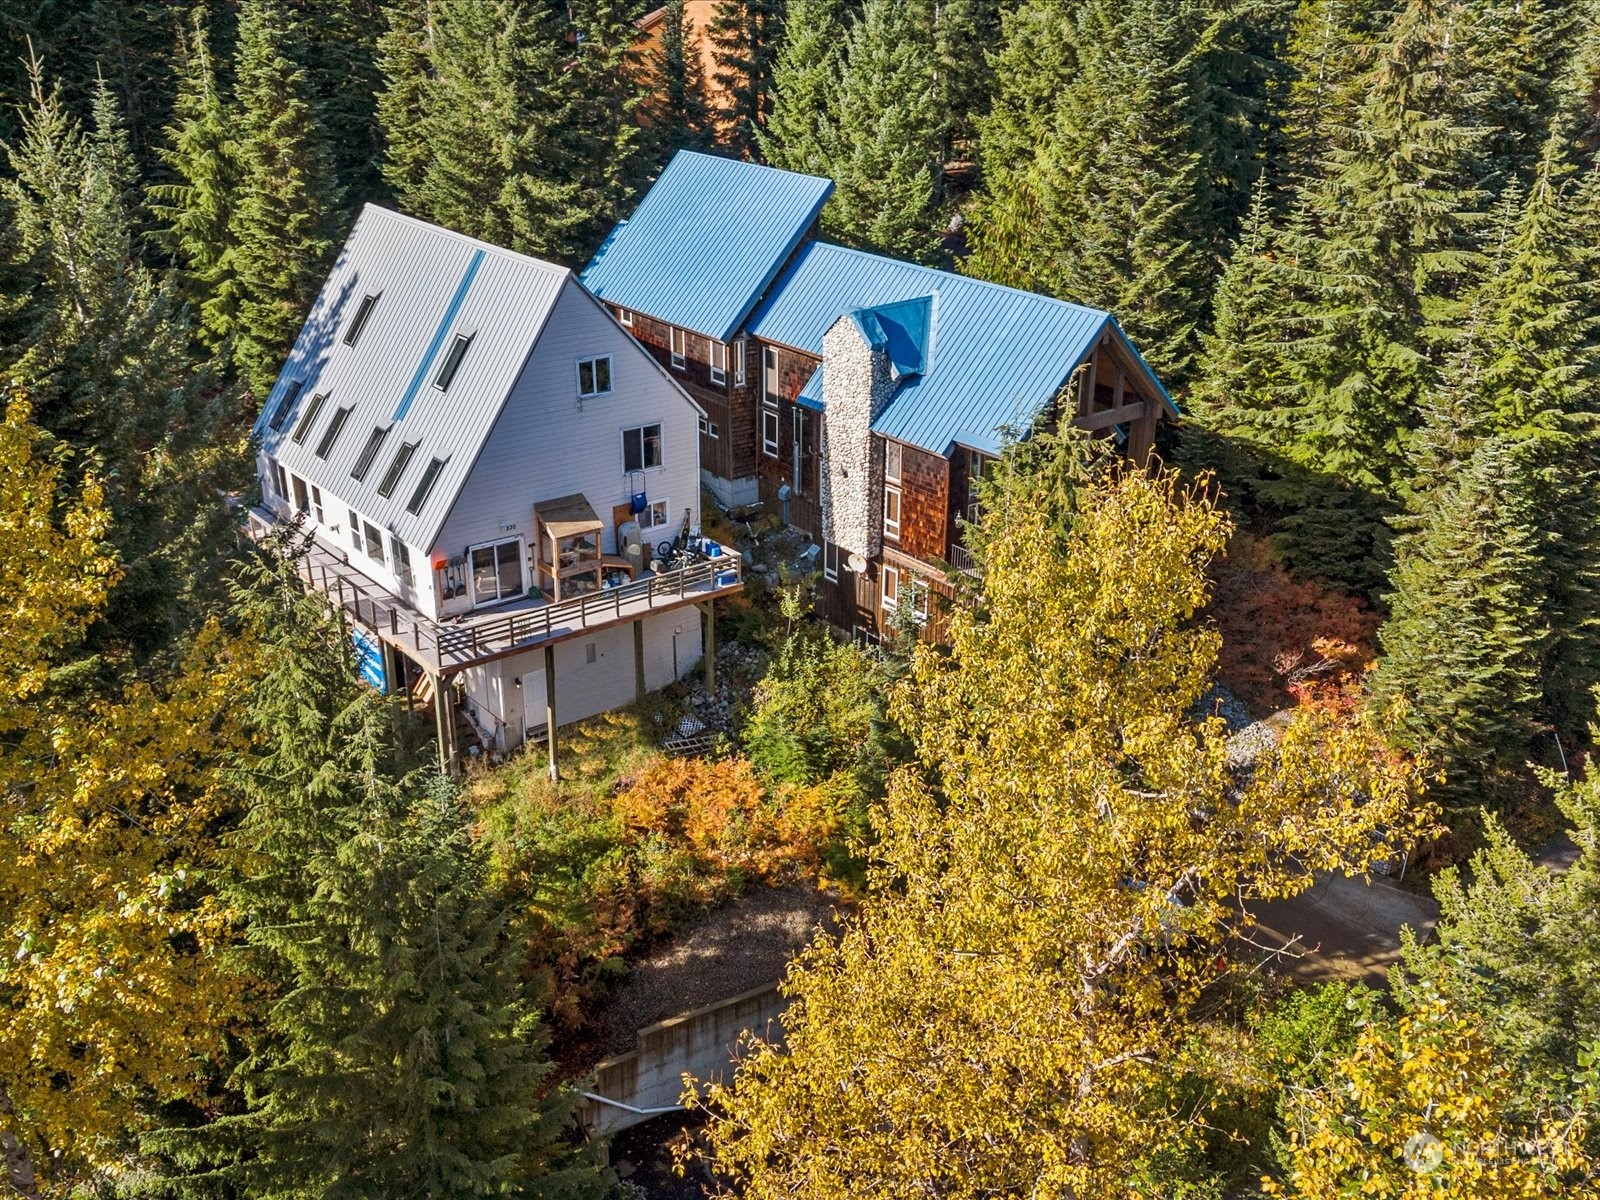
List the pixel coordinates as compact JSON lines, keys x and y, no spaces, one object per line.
{"x":858,"y":380}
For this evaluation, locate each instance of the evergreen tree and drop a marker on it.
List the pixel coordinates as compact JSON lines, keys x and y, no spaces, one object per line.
{"x":1467,"y":634}
{"x":405,"y":62}
{"x":1331,"y":47}
{"x":963,"y":31}
{"x":197,"y":211}
{"x":1033,"y":65}
{"x":679,"y":116}
{"x":1112,"y":208}
{"x":340,"y":41}
{"x":103,"y":348}
{"x":800,"y":134}
{"x":1517,"y":941}
{"x":884,"y":159}
{"x":283,"y":222}
{"x":400,"y":1057}
{"x":745,"y":36}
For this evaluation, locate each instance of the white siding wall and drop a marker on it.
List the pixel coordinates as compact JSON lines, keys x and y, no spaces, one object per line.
{"x":673,"y":645}
{"x":543,"y":446}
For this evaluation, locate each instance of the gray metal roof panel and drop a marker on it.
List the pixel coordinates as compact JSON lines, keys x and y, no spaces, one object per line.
{"x":433,"y":284}
{"x":706,"y":241}
{"x":996,"y":356}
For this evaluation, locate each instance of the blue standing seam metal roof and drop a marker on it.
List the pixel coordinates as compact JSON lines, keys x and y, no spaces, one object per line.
{"x":995,"y":357}
{"x":706,"y":241}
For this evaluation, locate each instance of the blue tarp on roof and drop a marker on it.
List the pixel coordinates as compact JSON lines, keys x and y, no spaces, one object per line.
{"x":992,"y":357}
{"x":706,"y":241}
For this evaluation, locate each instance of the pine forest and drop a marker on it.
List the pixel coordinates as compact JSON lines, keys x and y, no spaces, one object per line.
{"x":1210,"y":818}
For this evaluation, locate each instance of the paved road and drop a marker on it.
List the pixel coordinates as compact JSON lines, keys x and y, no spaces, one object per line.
{"x":1348,"y":928}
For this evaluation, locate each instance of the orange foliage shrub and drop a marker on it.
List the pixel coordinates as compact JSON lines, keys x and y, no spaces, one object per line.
{"x":1284,"y":637}
{"x":722,"y":818}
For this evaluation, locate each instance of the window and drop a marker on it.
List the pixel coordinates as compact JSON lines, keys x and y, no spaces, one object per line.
{"x":769,"y":432}
{"x":316,"y":504}
{"x":281,"y":478}
{"x":594,"y":376}
{"x":369,"y":452}
{"x":374,"y":542}
{"x":830,"y":562}
{"x":302,"y":499}
{"x":591,"y":652}
{"x":452,"y":361}
{"x":363,"y":315}
{"x":709,"y":428}
{"x":496,"y":571}
{"x":719,"y":362}
{"x":402,"y":561}
{"x":891,"y":512}
{"x":891,"y":462}
{"x":309,"y":417}
{"x":738,"y":363}
{"x":397,"y":468}
{"x":625,"y":315}
{"x":641,"y":448}
{"x":679,"y":341}
{"x":655,"y":516}
{"x":335,"y":426}
{"x":280,"y":414}
{"x":977,"y":464}
{"x":890,"y":589}
{"x":425,"y":485}
{"x":769,"y":374}
{"x":355,"y":529}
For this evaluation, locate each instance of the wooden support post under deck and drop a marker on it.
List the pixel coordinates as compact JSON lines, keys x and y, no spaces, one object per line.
{"x":550,"y":707}
{"x":440,"y":717}
{"x":638,"y":659}
{"x":709,"y":608}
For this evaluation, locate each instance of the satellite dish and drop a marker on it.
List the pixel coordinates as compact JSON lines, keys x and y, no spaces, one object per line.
{"x":856,"y":563}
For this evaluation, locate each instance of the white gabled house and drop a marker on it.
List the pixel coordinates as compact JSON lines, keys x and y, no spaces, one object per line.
{"x":487,"y":462}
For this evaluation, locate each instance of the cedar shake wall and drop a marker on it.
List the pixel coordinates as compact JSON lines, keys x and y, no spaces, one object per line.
{"x":925,"y":526}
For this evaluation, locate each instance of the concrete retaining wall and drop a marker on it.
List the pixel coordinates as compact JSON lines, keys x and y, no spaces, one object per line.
{"x":701,"y":1043}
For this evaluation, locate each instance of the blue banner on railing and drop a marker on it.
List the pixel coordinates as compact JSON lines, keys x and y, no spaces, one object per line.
{"x":369,"y":659}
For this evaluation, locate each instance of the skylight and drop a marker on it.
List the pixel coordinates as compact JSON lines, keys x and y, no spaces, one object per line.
{"x":397,"y":468}
{"x":452,"y":361}
{"x":425,"y":485}
{"x":280,"y":414}
{"x":309,"y":417}
{"x":369,"y":452}
{"x":368,"y":303}
{"x":335,"y":427}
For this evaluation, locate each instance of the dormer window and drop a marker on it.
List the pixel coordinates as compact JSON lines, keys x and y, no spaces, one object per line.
{"x":280,"y":414}
{"x":719,"y":362}
{"x":397,"y":468}
{"x":369,"y":452}
{"x":452,"y":361}
{"x":363,"y":315}
{"x":594,"y":376}
{"x":679,"y":345}
{"x":425,"y":485}
{"x":625,"y":316}
{"x":309,"y":417}
{"x":335,"y":427}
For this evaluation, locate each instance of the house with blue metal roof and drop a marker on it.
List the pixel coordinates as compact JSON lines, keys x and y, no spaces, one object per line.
{"x":867,"y":394}
{"x":483,"y":466}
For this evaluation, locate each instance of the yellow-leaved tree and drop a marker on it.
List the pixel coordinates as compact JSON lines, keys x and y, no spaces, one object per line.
{"x":111,"y":996}
{"x":1054,"y":885}
{"x":1425,"y":1109}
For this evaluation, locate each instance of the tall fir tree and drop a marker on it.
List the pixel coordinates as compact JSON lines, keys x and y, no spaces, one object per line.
{"x":340,"y":42}
{"x":800,"y":134}
{"x":1467,"y":635}
{"x":102,"y":347}
{"x":405,"y":62}
{"x":1330,"y":49}
{"x":288,"y":205}
{"x":400,"y":1056}
{"x":885,"y":145}
{"x":1112,"y":207}
{"x":678,"y":114}
{"x":196,"y":212}
{"x":746,"y":36}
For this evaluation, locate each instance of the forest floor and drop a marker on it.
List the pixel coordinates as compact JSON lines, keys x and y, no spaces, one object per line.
{"x":1344,"y":929}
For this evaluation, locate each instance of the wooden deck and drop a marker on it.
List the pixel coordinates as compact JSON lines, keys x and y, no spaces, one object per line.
{"x":444,"y":648}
